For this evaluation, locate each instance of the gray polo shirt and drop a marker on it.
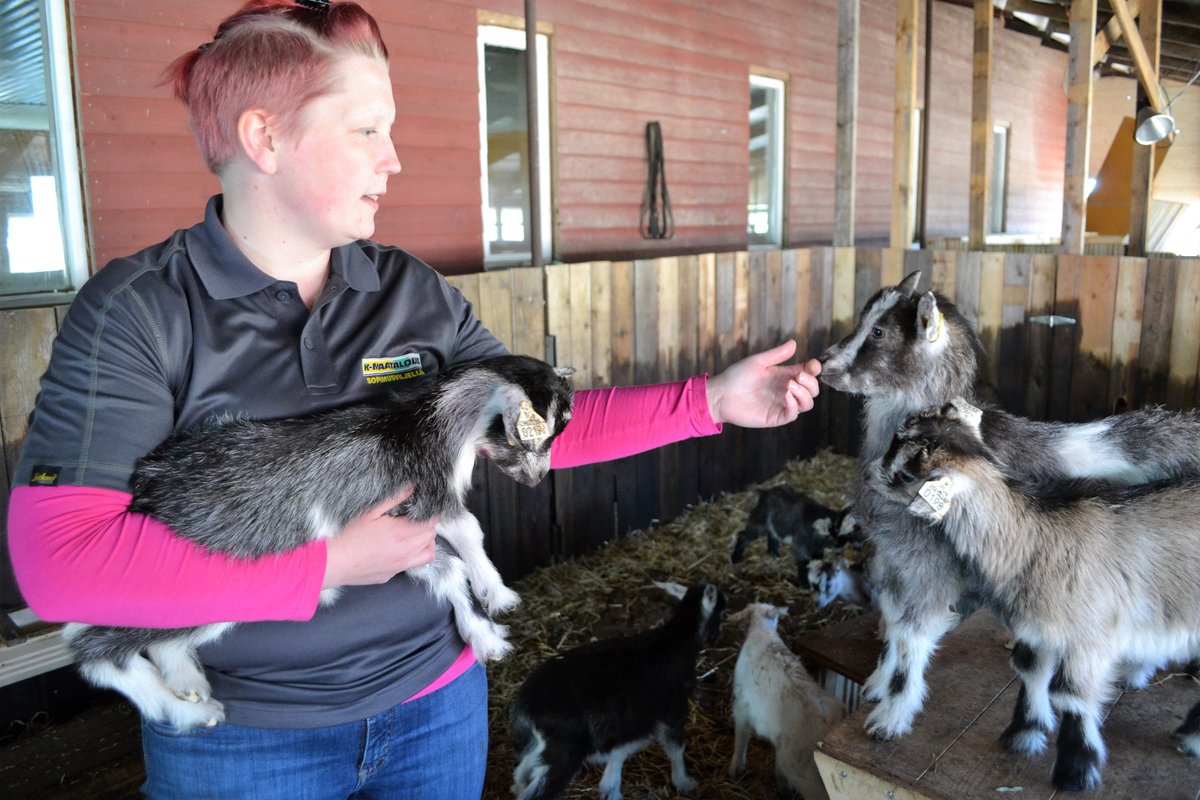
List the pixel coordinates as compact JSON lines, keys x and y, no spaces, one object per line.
{"x":188,"y":328}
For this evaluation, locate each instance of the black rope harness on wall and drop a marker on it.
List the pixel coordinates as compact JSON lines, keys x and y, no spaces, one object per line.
{"x":657,"y":221}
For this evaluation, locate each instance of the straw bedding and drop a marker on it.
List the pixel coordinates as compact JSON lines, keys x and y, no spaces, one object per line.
{"x":611,"y":593}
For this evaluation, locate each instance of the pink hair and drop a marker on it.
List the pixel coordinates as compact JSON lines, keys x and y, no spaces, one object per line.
{"x":270,"y":54}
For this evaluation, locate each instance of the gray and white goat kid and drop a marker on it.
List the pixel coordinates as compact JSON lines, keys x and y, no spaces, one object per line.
{"x":604,"y":701}
{"x":913,"y":350}
{"x":775,"y":698}
{"x":250,"y":488}
{"x":1090,"y":578}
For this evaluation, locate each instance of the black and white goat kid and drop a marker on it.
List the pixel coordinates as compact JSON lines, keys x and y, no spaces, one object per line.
{"x":606,"y":700}
{"x":251,"y":488}
{"x":1090,"y":578}
{"x":913,"y":350}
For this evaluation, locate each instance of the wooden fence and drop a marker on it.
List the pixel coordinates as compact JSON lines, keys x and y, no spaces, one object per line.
{"x":1135,"y":341}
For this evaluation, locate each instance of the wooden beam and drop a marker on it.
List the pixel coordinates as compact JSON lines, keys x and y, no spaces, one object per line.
{"x":904,"y":141}
{"x":1147,"y":71}
{"x":847,"y":123}
{"x":981,"y":126}
{"x":1048,"y":10}
{"x":1110,"y":34}
{"x":1141,"y":189}
{"x":1079,"y":124}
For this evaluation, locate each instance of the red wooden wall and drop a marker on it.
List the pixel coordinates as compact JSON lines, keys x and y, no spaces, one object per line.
{"x":616,"y":65}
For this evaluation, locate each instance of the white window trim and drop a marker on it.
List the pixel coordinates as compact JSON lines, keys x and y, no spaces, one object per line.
{"x":776,"y":159}
{"x":66,"y":144}
{"x":515,"y":39}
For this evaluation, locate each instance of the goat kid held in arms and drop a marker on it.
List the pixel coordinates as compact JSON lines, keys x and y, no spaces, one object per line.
{"x":912,"y":350}
{"x":1089,"y":578}
{"x":250,"y":488}
{"x":278,"y":304}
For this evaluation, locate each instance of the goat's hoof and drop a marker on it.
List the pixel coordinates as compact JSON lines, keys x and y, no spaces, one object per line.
{"x":686,"y":785}
{"x":502,"y":600}
{"x":1023,"y":741}
{"x":1075,"y":777}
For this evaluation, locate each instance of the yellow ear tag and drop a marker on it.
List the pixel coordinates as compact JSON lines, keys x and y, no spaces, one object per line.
{"x":937,"y":494}
{"x":530,"y":425}
{"x":934,"y":332}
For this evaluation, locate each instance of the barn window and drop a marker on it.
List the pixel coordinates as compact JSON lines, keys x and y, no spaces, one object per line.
{"x":504,"y":132}
{"x":42,"y":253}
{"x":764,"y":210}
{"x":998,"y":198}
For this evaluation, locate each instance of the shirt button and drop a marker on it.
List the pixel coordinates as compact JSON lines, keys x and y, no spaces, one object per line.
{"x":282,"y":296}
{"x":308,"y":345}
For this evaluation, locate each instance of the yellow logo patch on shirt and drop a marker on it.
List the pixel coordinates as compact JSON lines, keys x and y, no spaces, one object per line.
{"x":392,"y":368}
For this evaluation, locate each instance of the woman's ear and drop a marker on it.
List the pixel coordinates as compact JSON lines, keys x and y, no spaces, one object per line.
{"x":256,"y":136}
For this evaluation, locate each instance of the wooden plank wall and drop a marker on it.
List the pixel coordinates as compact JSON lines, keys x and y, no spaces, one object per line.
{"x":615,"y":65}
{"x":1136,"y":341}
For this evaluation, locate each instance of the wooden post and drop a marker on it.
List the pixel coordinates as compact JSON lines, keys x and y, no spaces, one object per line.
{"x":981,"y":126}
{"x":907,"y":13}
{"x":847,"y":123}
{"x":1142,"y":182}
{"x":1079,"y":124}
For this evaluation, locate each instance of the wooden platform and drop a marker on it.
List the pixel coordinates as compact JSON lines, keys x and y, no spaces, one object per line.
{"x":953,"y":752}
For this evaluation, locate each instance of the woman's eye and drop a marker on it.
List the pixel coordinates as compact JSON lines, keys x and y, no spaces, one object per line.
{"x":368,"y":131}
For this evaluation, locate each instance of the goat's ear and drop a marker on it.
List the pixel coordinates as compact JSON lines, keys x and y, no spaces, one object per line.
{"x":909,"y":284}
{"x":929,"y":319}
{"x":711,"y":595}
{"x":564,"y":372}
{"x":674,"y":589}
{"x":738,"y":616}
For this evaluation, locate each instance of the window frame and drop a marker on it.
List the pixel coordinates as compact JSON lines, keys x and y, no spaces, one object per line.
{"x":495,"y":35}
{"x":997,"y":221}
{"x":776,"y":162}
{"x":64,"y":143}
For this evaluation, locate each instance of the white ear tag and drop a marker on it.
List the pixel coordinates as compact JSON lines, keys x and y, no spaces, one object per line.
{"x":530,"y":425}
{"x":934,"y":331}
{"x":967,"y":412}
{"x":937,"y":494}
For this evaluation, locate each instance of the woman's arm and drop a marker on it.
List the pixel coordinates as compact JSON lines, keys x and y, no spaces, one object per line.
{"x":757,"y":392}
{"x":80,"y":555}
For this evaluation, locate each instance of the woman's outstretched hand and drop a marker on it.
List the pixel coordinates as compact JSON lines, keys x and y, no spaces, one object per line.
{"x":760,"y":391}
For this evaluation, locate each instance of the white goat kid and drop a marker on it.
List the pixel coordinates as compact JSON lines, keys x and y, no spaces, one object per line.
{"x":775,"y":698}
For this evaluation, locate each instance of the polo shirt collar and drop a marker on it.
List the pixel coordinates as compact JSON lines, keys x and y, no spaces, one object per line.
{"x":227,"y":273}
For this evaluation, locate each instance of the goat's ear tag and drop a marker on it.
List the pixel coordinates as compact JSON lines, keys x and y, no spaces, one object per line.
{"x":967,"y":412}
{"x":530,"y":425}
{"x":937,"y":494}
{"x":934,"y":331}
{"x":929,"y":318}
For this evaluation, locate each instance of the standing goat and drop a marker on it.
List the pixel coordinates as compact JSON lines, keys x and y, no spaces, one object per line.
{"x":911,"y":351}
{"x":251,"y":488}
{"x":1089,"y":578}
{"x":605,"y":701}
{"x":775,"y":698}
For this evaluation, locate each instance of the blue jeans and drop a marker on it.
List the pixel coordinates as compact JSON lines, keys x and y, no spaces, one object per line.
{"x":432,"y":748}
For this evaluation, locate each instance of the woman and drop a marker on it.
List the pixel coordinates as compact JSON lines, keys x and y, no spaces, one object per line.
{"x":271,"y":307}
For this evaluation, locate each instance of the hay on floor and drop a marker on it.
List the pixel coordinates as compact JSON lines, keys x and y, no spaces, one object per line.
{"x":611,"y":593}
